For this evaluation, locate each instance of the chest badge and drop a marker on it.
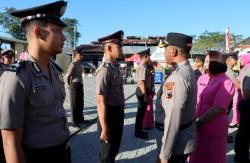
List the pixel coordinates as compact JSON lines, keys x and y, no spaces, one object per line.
{"x":169,"y":89}
{"x":38,"y":88}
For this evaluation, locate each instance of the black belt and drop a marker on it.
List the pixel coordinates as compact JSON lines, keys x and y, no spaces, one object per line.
{"x":186,"y":125}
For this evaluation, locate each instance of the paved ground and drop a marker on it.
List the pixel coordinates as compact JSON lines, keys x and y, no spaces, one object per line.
{"x":85,"y":141}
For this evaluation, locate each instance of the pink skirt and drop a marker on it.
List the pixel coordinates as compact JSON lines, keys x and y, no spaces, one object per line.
{"x":209,"y":149}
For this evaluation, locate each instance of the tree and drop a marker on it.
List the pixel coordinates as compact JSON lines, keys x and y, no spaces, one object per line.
{"x":213,"y":41}
{"x":71,"y":33}
{"x":12,"y":24}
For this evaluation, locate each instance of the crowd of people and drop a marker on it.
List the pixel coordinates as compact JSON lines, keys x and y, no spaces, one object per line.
{"x":191,"y":105}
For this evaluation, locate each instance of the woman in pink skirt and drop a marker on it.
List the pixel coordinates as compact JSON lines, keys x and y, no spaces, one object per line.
{"x":214,"y":94}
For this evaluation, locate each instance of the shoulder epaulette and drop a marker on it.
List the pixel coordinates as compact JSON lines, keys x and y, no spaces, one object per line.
{"x":15,"y":67}
{"x":56,"y":66}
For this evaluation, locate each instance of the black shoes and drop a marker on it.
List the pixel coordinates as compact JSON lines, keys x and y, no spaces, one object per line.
{"x":141,"y":135}
{"x":84,"y":121}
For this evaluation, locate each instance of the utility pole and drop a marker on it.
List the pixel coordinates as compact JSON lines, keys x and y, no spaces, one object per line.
{"x":74,"y":36}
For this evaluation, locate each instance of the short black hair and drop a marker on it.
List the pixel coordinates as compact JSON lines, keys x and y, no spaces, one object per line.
{"x":42,"y":23}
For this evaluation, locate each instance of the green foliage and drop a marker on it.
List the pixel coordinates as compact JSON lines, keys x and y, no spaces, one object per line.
{"x":71,"y":37}
{"x":13,"y":27}
{"x":213,"y":41}
{"x":11,"y":24}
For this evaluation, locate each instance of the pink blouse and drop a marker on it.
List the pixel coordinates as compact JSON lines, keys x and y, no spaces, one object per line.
{"x":215,"y":91}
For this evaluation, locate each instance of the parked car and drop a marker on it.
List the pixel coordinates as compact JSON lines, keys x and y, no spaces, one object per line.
{"x":88,"y":68}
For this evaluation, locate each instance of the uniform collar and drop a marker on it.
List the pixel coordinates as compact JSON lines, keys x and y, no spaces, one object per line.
{"x":107,"y":60}
{"x":36,"y":68}
{"x":180,"y":64}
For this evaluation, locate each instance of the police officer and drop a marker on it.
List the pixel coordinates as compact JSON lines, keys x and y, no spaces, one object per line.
{"x":2,"y":157}
{"x":7,"y":56}
{"x":110,"y":98}
{"x":33,"y":121}
{"x":142,"y":92}
{"x":242,"y":138}
{"x":178,"y":101}
{"x":74,"y":80}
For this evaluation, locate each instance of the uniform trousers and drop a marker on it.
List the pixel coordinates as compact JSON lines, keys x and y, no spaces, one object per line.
{"x":2,"y":157}
{"x":115,"y":120}
{"x":242,"y":138}
{"x":76,"y":99}
{"x":55,"y":154}
{"x":142,"y":106}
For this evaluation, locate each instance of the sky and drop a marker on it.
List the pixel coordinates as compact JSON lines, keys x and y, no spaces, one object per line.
{"x":145,"y":18}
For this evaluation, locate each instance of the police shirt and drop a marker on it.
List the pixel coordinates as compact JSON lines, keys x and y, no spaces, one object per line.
{"x":2,"y":68}
{"x":179,"y":102}
{"x":33,"y":101}
{"x":245,"y":80}
{"x":109,"y":82}
{"x":75,"y":71}
{"x":231,"y":75}
{"x":144,"y":74}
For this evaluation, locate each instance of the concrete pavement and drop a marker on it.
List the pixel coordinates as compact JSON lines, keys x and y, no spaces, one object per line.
{"x":85,"y":141}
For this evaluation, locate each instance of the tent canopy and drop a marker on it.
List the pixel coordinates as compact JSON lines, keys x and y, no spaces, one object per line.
{"x":158,"y":54}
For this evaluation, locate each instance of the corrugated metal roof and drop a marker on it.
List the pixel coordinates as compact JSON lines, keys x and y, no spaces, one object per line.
{"x":7,"y":39}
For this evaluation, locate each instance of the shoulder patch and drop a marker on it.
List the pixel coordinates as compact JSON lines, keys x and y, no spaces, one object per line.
{"x":169,"y":86}
{"x":15,"y":67}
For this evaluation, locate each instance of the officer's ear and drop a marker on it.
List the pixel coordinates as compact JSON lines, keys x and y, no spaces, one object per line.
{"x":175,"y":52}
{"x":109,"y":48}
{"x":40,"y":32}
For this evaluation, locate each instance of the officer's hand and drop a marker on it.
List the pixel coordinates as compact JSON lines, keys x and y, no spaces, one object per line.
{"x":104,"y":136}
{"x":163,"y":161}
{"x":145,"y":98}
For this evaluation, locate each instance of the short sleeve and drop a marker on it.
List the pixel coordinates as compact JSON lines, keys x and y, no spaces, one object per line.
{"x":231,"y":75}
{"x":101,"y":81}
{"x":224,"y":94}
{"x":13,"y":97}
{"x":71,"y":68}
{"x":141,"y":74}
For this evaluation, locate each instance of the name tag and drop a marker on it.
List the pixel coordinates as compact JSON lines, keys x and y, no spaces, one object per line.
{"x":38,"y":88}
{"x":203,"y":84}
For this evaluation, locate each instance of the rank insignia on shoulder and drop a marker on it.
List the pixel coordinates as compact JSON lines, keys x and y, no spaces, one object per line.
{"x":15,"y":67}
{"x":169,"y":89}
